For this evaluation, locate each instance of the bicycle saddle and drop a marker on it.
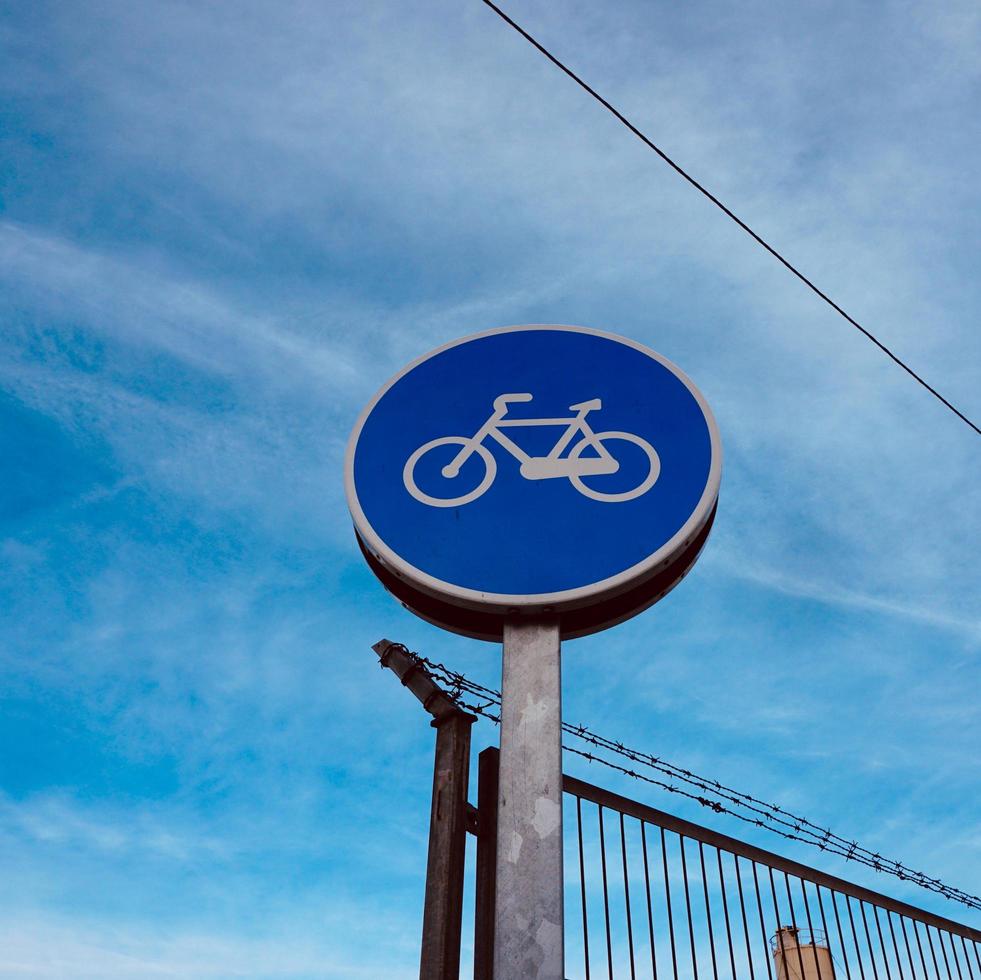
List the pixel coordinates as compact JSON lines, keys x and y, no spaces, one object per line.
{"x":501,"y":402}
{"x":593,"y":403}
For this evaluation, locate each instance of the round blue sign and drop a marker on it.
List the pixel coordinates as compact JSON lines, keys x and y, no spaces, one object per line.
{"x":533,"y":468}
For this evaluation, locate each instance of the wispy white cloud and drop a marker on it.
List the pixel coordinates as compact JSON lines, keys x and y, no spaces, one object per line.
{"x":833,"y":595}
{"x":89,"y":949}
{"x":144,"y":307}
{"x":57,"y":821}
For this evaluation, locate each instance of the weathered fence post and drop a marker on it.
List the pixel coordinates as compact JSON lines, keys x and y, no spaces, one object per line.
{"x":483,"y":932}
{"x":443,"y":913}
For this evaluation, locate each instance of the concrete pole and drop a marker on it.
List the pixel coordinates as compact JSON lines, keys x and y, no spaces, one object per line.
{"x":528,"y":937}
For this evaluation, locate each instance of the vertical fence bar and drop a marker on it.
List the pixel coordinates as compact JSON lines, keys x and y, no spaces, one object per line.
{"x":909,"y":951}
{"x":933,"y":955}
{"x":967,"y":959}
{"x":742,"y":908}
{"x":667,"y":895}
{"x":725,"y":912}
{"x":776,"y":916}
{"x":650,"y":908}
{"x":691,"y":925}
{"x":606,"y":896}
{"x":763,"y":935}
{"x":868,"y":939}
{"x":895,"y":945}
{"x":841,"y":934}
{"x":626,"y":896}
{"x":824,"y":921}
{"x":793,"y":922}
{"x":858,"y":949}
{"x":810,"y":927}
{"x":956,"y":958}
{"x":708,"y":910}
{"x":882,"y":944}
{"x":940,"y":939}
{"x":582,"y":888}
{"x":953,"y":952}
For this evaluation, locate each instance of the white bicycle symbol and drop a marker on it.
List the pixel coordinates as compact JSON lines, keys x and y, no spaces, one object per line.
{"x":574,"y":466}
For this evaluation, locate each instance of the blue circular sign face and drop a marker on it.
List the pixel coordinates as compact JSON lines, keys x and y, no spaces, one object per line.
{"x":533,"y":468}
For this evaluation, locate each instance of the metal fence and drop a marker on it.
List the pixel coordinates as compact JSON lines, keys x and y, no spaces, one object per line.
{"x":650,"y":895}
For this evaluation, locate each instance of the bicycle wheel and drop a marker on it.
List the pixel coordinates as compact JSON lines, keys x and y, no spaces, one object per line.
{"x":408,"y":473}
{"x":654,"y":471}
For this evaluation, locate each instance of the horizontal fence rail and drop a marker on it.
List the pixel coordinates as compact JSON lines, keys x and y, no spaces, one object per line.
{"x":649,"y":895}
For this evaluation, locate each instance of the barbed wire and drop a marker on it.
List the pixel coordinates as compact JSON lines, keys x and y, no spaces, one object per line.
{"x":709,"y":793}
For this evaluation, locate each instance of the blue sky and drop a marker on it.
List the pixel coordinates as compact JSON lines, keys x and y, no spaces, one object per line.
{"x":225,"y":226}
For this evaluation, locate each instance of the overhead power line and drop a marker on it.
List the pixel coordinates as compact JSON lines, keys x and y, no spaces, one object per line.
{"x":707,"y":792}
{"x":727,"y":211}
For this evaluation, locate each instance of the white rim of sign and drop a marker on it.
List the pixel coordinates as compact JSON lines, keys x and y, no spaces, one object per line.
{"x":569,"y":598}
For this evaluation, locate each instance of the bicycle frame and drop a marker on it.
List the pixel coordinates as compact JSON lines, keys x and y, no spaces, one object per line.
{"x":540,"y":467}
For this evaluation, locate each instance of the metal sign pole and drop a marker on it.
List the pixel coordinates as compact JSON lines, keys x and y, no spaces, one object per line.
{"x":528,"y":936}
